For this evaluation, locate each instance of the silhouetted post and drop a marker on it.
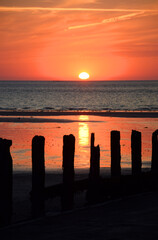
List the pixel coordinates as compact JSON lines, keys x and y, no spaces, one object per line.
{"x":92,"y":143}
{"x":154,"y":163}
{"x":115,"y":154}
{"x":136,"y":153}
{"x":94,"y":193}
{"x":6,"y":170}
{"x":94,"y":160}
{"x":67,"y":199}
{"x":38,"y":176}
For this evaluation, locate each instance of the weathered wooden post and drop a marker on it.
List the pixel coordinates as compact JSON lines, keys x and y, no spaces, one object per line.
{"x":94,"y":160}
{"x":67,"y":198}
{"x":94,"y":193}
{"x":136,"y":153}
{"x":38,"y":176}
{"x":154,"y":163}
{"x":115,"y":154}
{"x":6,"y":170}
{"x":92,"y":142}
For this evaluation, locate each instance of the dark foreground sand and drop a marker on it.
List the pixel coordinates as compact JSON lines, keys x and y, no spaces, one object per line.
{"x":134,"y":217}
{"x":22,"y":185}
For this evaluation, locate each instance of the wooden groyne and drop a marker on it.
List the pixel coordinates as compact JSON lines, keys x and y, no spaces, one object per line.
{"x":38,"y":176}
{"x":6,"y":173}
{"x":97,"y":188}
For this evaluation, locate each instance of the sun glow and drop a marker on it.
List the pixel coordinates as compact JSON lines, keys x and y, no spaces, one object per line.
{"x":83,"y":76}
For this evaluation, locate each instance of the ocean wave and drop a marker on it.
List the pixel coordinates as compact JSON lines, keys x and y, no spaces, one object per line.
{"x":47,"y":108}
{"x":9,"y":109}
{"x":72,"y":96}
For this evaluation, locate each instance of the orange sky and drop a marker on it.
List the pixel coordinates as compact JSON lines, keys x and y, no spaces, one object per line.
{"x":56,"y":40}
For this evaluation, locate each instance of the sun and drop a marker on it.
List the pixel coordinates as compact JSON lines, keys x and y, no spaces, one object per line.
{"x":83,"y":75}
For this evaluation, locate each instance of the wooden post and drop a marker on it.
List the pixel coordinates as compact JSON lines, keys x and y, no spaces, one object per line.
{"x":67,"y":199}
{"x":38,"y":176}
{"x":94,"y":185}
{"x":6,"y":171}
{"x":94,"y":160}
{"x":92,"y":144}
{"x":154,"y":163}
{"x":115,"y":154}
{"x":136,"y":153}
{"x":91,"y":153}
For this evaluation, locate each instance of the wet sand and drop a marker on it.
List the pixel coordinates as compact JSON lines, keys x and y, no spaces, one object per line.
{"x":21,"y":130}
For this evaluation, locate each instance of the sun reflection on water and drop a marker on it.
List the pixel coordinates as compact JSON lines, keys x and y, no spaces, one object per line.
{"x":83,"y":130}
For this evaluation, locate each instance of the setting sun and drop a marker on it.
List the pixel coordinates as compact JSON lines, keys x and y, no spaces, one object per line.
{"x":83,"y":75}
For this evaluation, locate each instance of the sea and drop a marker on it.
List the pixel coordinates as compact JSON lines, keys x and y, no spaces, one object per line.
{"x":85,"y":95}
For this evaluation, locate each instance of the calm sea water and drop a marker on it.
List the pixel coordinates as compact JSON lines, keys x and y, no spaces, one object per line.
{"x":117,"y":95}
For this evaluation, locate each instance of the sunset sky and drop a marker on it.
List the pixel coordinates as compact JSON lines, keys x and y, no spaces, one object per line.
{"x":56,"y":40}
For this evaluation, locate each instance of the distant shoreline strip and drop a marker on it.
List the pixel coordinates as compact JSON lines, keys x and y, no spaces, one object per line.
{"x":120,"y":114}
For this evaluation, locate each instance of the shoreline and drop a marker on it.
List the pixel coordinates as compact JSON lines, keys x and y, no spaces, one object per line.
{"x":36,"y":113}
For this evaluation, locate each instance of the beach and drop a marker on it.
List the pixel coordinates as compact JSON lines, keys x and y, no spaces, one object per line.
{"x":134,"y":217}
{"x":21,"y":127}
{"x":22,"y":185}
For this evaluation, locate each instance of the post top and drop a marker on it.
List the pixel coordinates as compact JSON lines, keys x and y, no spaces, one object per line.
{"x":38,"y":138}
{"x":156,"y":132}
{"x":5,"y":142}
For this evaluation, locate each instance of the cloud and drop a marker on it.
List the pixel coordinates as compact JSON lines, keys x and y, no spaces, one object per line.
{"x":131,"y":13}
{"x":37,"y":27}
{"x":110,"y":20}
{"x":19,"y":9}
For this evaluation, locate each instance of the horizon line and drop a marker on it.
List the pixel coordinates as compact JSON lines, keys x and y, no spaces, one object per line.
{"x":47,"y":80}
